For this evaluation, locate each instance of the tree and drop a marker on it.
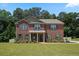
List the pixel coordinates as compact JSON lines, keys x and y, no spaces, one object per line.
{"x":70,"y":22}
{"x":18,"y":13}
{"x":45,"y":14}
{"x":26,"y":13}
{"x":53,"y":16}
{"x":67,"y":31}
{"x":5,"y":28}
{"x":61,"y":16}
{"x":35,"y":12}
{"x":77,"y":32}
{"x":4,"y":15}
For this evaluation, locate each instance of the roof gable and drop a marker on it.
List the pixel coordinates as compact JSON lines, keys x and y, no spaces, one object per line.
{"x":53,"y":21}
{"x":22,"y":21}
{"x":33,"y":21}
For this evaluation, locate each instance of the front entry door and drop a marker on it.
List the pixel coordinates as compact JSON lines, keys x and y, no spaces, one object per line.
{"x":34,"y":37}
{"x":40,"y":37}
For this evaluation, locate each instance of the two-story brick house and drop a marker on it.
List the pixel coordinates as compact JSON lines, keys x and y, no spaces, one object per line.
{"x":40,"y":30}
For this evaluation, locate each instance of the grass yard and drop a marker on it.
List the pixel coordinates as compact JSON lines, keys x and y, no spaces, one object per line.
{"x":8,"y":49}
{"x":75,"y":39}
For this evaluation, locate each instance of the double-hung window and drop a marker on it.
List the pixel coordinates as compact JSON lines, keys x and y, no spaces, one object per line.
{"x":23,"y":26}
{"x":53,"y":27}
{"x":37,"y":27}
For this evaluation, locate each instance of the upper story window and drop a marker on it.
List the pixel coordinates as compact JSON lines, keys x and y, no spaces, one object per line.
{"x":23,"y":26}
{"x":53,"y":27}
{"x":37,"y":27}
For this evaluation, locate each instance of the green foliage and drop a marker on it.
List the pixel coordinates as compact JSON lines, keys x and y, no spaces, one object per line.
{"x":7,"y":21}
{"x":8,"y":33}
{"x":71,"y":23}
{"x":67,"y":31}
{"x":18,"y":13}
{"x":8,"y":27}
{"x":58,"y":36}
{"x":49,"y":38}
{"x":45,"y":14}
{"x":35,"y":12}
{"x":53,"y":16}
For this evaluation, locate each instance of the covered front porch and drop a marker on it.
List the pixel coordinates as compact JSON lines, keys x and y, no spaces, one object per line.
{"x":38,"y":36}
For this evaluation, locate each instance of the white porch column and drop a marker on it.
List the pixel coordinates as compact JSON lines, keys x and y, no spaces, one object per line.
{"x":43,"y":37}
{"x":37,"y":37}
{"x":30,"y":37}
{"x":23,"y":36}
{"x":16,"y":36}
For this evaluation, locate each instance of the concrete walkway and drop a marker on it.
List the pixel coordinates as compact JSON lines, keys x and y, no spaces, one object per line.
{"x":74,"y":41}
{"x":59,"y":43}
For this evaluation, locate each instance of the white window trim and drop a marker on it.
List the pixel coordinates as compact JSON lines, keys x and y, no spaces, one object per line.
{"x":53,"y":27}
{"x":37,"y":26}
{"x":23,"y":26}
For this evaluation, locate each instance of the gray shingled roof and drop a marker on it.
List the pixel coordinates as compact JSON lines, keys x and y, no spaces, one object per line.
{"x":48,"y":21}
{"x":53,"y":21}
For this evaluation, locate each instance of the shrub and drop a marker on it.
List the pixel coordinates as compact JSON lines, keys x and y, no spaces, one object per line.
{"x":58,"y":37}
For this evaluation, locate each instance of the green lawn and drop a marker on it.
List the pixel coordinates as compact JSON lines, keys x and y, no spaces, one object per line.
{"x":39,"y":49}
{"x":75,"y":39}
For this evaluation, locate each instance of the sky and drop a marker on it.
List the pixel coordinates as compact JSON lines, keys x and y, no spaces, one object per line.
{"x":55,"y":8}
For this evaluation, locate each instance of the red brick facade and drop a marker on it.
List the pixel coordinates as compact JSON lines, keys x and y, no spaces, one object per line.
{"x":44,"y":26}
